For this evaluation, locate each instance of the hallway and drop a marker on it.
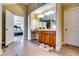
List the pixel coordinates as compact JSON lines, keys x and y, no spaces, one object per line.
{"x":28,"y":48}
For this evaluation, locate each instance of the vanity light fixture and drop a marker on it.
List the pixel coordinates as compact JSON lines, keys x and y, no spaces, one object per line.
{"x":40,"y":16}
{"x":50,"y":12}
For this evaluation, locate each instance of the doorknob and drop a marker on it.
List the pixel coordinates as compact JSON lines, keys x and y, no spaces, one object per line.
{"x":66,"y":29}
{"x":6,"y":29}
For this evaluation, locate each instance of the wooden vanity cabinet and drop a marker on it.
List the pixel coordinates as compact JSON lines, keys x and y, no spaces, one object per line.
{"x":48,"y":37}
{"x":52,"y":39}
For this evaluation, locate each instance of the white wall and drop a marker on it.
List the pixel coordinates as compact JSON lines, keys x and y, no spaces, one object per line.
{"x":25,"y":27}
{"x":0,"y":28}
{"x":29,"y":27}
{"x":31,"y":8}
{"x":59,"y":27}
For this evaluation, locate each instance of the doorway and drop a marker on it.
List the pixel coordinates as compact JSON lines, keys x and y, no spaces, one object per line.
{"x":14,"y":33}
{"x":14,"y":28}
{"x":43,"y":26}
{"x":18,"y":28}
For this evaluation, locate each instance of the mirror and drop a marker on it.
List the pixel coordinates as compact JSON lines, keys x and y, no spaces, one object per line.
{"x":44,"y":24}
{"x":47,"y":20}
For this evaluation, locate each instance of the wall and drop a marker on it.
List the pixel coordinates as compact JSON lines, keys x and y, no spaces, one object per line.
{"x":32,"y":7}
{"x":69,"y":5}
{"x":59,"y":26}
{"x":0,"y":28}
{"x":34,"y":21}
{"x":17,"y":9}
{"x":34,"y":25}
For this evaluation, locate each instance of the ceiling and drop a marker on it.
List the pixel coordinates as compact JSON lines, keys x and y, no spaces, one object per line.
{"x":15,"y":3}
{"x":26,"y":3}
{"x":45,"y":8}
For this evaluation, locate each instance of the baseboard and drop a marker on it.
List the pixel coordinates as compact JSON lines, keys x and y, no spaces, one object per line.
{"x":34,"y":39}
{"x":0,"y":52}
{"x":58,"y":48}
{"x":25,"y":39}
{"x":63,"y":43}
{"x":72,"y":45}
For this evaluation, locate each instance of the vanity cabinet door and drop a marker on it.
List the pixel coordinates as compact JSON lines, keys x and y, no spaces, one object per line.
{"x":47,"y":37}
{"x":40,"y":37}
{"x":52,"y":39}
{"x":43,"y":37}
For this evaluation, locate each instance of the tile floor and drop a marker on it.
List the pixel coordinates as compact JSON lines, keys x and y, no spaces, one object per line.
{"x":26,"y":48}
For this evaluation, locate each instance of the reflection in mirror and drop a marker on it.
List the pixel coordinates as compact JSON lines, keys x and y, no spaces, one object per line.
{"x":44,"y":24}
{"x":47,"y":20}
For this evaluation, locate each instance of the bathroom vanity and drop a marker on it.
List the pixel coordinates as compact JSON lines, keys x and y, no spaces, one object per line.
{"x":47,"y":37}
{"x":44,"y":28}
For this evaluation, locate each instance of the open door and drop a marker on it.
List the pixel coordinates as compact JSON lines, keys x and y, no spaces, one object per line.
{"x":9,"y":27}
